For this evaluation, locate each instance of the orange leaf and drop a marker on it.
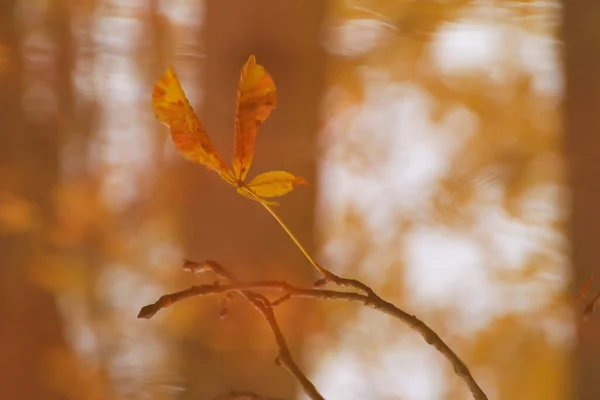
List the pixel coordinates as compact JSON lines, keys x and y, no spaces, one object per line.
{"x":274,"y":183}
{"x":173,"y":109}
{"x":257,"y":96}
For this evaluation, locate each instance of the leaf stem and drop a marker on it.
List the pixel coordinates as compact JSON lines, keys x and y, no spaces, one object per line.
{"x":323,"y":271}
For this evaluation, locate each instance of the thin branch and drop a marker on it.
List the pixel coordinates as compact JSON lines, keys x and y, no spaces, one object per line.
{"x":285,"y":356}
{"x":262,"y":305}
{"x":371,"y":300}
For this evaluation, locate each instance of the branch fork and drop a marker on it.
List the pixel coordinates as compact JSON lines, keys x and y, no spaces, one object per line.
{"x":253,"y":292}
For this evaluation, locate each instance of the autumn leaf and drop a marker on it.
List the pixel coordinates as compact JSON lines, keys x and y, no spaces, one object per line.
{"x":173,"y":109}
{"x":274,"y":183}
{"x":257,"y":96}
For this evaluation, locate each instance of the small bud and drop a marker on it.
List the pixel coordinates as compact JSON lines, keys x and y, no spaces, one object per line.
{"x":320,"y":282}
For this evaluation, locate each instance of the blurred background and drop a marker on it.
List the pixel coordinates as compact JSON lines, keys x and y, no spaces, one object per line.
{"x":435,"y":136}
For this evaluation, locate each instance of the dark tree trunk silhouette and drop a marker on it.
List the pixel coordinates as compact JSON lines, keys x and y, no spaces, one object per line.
{"x":582,"y":123}
{"x":29,"y":153}
{"x":221,"y":225}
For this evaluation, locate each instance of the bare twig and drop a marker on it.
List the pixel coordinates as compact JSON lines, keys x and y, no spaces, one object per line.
{"x":371,"y":300}
{"x":280,"y":300}
{"x":262,"y":305}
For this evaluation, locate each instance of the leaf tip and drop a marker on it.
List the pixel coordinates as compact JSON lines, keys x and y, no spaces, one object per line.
{"x":170,"y":73}
{"x":298,"y":180}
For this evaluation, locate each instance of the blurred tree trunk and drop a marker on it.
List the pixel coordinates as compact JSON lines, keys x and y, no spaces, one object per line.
{"x":582,"y":63}
{"x":28,"y":170}
{"x":285,"y":37}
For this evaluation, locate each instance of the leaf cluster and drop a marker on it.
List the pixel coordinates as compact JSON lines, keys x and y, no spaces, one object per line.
{"x":256,"y":98}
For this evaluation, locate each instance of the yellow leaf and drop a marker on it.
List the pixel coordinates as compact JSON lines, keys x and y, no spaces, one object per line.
{"x":274,"y":183}
{"x":250,"y":194}
{"x":257,"y":96}
{"x":173,"y":109}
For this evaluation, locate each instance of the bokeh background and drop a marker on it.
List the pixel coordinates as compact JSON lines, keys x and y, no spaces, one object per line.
{"x":451,"y":150}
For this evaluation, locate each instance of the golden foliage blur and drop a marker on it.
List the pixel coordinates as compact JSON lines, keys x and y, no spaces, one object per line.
{"x":65,"y":374}
{"x":80,"y":212}
{"x":257,"y":96}
{"x":509,"y":148}
{"x":17,"y":215}
{"x":515,"y":126}
{"x":58,"y":273}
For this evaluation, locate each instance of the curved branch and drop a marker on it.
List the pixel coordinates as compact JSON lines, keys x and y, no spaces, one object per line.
{"x":260,"y":303}
{"x":371,"y":300}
